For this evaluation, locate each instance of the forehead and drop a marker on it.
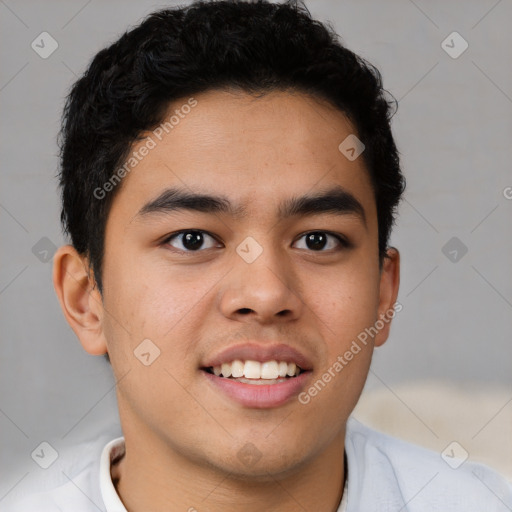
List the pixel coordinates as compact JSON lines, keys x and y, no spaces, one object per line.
{"x":259,"y":151}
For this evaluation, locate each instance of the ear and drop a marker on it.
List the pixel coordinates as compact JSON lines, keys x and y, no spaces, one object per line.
{"x":389,"y":284}
{"x":79,"y":298}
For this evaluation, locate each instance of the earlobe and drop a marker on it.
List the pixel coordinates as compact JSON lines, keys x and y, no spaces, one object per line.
{"x":389,"y":285}
{"x":79,"y":298}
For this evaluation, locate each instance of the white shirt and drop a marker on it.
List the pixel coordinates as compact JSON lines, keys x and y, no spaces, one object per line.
{"x":384,"y":475}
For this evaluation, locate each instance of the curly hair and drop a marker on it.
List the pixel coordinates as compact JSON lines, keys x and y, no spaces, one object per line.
{"x":255,"y":47}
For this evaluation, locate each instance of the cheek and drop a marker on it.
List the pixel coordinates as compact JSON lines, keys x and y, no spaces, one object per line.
{"x":346,"y":311}
{"x":152,"y":313}
{"x":148,"y":296}
{"x":157,"y":303}
{"x":346,"y":301}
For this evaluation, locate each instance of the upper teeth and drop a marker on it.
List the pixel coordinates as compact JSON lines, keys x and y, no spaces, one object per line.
{"x":256,"y":370}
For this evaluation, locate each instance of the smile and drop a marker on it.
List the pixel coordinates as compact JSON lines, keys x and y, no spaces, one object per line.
{"x":258,"y":385}
{"x":268,"y":370}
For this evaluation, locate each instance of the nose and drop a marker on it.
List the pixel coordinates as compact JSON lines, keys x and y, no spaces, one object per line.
{"x":265,"y":290}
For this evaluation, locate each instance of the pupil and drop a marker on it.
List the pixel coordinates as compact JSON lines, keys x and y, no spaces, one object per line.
{"x":316,"y":240}
{"x":193,"y":240}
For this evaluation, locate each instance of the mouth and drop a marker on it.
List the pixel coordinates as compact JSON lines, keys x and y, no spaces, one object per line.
{"x":255,"y":372}
{"x":258,"y":384}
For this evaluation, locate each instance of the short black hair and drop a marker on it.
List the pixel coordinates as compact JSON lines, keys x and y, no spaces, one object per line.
{"x":254,"y":47}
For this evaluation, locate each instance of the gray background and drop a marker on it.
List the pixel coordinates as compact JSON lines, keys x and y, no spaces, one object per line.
{"x":453,"y":129}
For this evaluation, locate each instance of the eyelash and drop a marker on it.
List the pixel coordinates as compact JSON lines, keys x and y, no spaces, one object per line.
{"x":342,"y":241}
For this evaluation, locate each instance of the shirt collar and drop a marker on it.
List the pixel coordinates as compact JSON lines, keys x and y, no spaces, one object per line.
{"x":111,"y":452}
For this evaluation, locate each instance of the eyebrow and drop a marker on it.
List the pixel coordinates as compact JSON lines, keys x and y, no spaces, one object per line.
{"x":335,"y":200}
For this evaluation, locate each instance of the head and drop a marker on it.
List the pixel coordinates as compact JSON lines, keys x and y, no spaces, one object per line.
{"x":253,"y":105}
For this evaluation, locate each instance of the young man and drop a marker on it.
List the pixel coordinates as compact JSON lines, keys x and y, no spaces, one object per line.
{"x":229,"y":183}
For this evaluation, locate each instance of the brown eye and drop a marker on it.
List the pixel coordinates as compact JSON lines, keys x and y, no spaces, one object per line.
{"x":191,"y":240}
{"x":319,"y":240}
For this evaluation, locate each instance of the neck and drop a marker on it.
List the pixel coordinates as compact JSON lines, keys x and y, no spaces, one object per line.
{"x":153,"y":476}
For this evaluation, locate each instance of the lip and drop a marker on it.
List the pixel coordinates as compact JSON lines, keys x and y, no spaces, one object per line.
{"x":255,"y":352}
{"x":259,"y":396}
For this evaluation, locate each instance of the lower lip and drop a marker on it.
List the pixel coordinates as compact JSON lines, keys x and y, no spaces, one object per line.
{"x":260,"y":396}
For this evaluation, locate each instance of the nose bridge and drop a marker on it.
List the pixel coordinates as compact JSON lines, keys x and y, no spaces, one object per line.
{"x":261,"y":282}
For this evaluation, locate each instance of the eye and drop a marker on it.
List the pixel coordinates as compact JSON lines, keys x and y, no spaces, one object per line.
{"x":190,"y":240}
{"x":318,"y":240}
{"x":193,"y":240}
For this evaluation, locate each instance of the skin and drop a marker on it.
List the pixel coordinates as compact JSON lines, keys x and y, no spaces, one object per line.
{"x":182,"y":435}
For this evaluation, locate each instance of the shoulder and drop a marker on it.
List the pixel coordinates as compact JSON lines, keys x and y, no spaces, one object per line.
{"x":418,"y":479}
{"x":77,"y":495}
{"x":71,"y":484}
{"x":62,"y":498}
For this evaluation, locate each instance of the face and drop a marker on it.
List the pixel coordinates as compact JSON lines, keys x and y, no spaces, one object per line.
{"x":257,"y":274}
